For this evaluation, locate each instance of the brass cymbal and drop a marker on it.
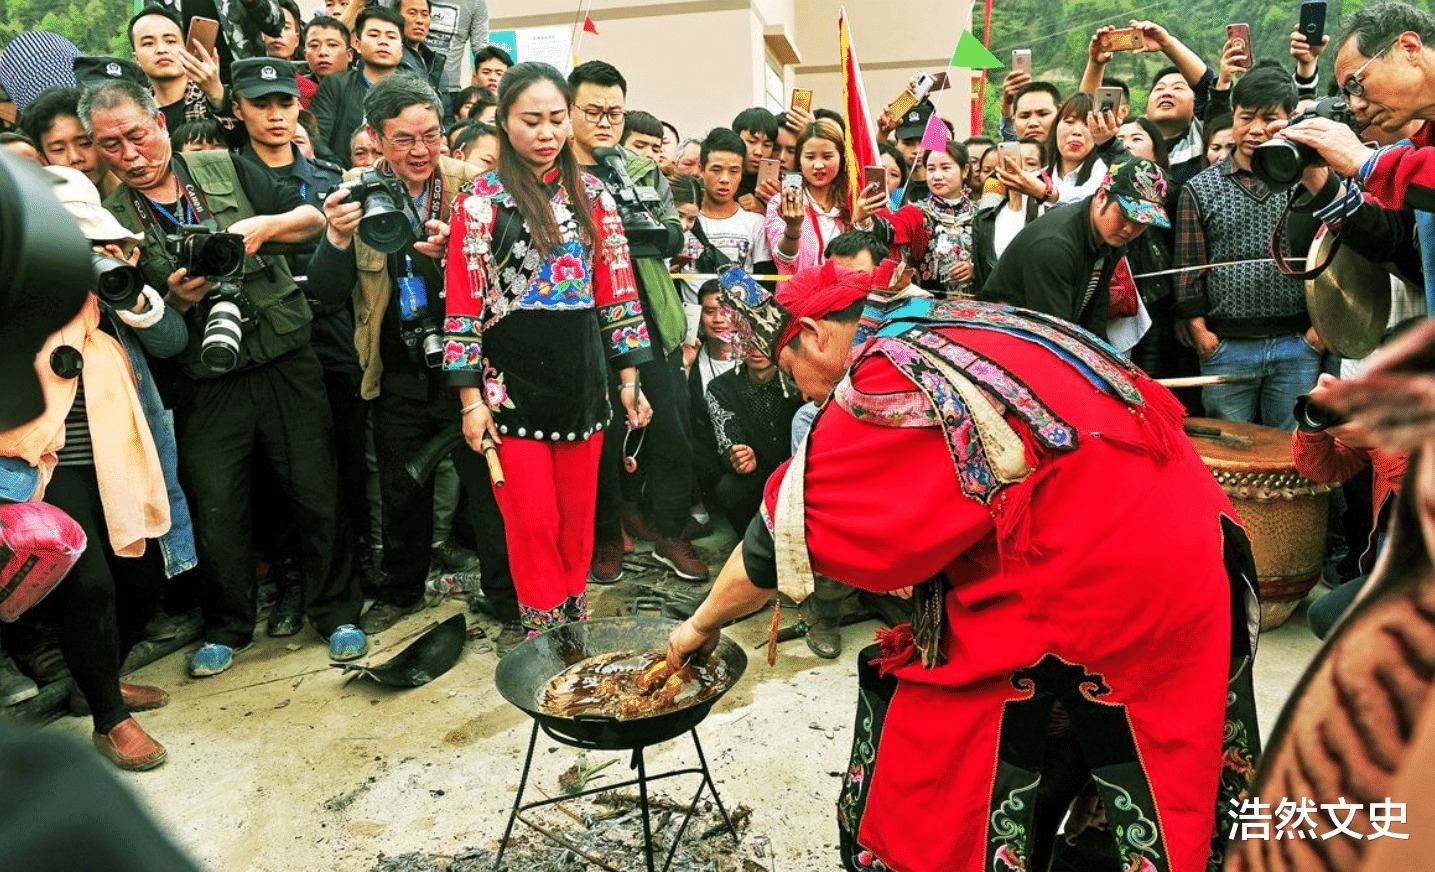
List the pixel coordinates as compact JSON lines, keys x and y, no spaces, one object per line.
{"x":1349,"y":302}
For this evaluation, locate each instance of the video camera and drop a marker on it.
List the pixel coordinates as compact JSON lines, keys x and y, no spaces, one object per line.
{"x":1280,"y":162}
{"x":45,"y":277}
{"x":635,"y":205}
{"x":386,"y":224}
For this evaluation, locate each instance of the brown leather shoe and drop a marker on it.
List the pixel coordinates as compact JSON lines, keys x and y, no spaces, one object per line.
{"x":129,"y":747}
{"x":136,"y":697}
{"x":607,"y":565}
{"x":681,"y":557}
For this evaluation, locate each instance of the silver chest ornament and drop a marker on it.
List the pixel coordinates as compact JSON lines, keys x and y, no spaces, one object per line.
{"x":475,"y":239}
{"x":615,"y":246}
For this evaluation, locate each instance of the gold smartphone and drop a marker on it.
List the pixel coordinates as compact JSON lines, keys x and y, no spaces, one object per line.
{"x":1010,"y":155}
{"x":767,"y":171}
{"x":802,"y":99}
{"x":874,"y":176}
{"x":204,"y":31}
{"x":1125,"y":39}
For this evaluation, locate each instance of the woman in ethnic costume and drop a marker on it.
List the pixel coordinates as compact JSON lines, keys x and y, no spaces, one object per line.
{"x":936,"y":230}
{"x":540,"y":300}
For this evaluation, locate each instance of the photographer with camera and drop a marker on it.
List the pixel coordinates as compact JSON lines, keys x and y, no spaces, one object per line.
{"x":654,"y":232}
{"x":384,"y":244}
{"x":249,"y":376}
{"x":103,"y":453}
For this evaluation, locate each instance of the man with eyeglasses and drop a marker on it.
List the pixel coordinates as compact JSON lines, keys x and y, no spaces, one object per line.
{"x":1385,"y":64}
{"x":599,"y":91}
{"x":267,"y":397}
{"x":399,"y":311}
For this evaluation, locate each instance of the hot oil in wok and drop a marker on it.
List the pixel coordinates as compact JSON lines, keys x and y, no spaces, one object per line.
{"x":631,"y":684}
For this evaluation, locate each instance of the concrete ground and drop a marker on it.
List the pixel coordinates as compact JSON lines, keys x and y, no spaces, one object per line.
{"x":283,"y":764}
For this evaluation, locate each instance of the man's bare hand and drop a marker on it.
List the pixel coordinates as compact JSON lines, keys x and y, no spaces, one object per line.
{"x":185,"y":291}
{"x":435,"y":245}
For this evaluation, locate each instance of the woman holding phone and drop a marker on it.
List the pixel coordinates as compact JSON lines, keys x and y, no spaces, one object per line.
{"x":802,"y":219}
{"x":936,"y":230}
{"x":541,"y":300}
{"x":1079,"y":146}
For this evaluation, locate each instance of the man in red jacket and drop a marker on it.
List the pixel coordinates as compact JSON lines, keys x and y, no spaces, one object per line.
{"x":963,"y":450}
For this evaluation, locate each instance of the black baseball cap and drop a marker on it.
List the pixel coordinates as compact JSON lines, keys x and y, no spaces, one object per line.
{"x":259,"y":77}
{"x":98,"y":70}
{"x":914,"y":123}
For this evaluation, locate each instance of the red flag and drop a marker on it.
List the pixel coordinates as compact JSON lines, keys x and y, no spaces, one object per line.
{"x":589,"y":26}
{"x":861,"y":132}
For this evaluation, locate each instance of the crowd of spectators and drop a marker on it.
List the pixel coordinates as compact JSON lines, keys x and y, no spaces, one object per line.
{"x":343,"y":367}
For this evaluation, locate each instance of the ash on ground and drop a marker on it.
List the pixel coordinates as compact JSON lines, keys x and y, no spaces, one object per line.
{"x":609,"y":827}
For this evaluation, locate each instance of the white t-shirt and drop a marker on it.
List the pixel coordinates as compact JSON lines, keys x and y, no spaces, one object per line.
{"x":710,"y":367}
{"x":742,"y":237}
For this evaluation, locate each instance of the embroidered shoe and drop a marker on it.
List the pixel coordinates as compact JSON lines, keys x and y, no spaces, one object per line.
{"x":348,"y":643}
{"x":212,"y":658}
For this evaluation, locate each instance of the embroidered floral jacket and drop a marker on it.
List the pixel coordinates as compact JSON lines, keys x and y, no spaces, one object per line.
{"x":537,"y":330}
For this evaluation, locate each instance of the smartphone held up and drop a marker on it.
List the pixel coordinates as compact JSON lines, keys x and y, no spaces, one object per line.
{"x":1239,"y":36}
{"x":1123,"y":39}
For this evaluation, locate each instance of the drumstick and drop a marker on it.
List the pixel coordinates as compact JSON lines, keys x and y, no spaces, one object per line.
{"x":490,"y":453}
{"x":1201,"y":381}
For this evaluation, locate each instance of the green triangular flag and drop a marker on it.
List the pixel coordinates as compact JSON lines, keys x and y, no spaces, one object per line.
{"x":972,"y":55}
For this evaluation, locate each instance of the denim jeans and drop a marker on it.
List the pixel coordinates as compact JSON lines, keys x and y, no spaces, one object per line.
{"x":1287,"y":366}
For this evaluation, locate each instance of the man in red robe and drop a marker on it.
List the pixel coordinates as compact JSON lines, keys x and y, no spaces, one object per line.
{"x":1081,"y":585}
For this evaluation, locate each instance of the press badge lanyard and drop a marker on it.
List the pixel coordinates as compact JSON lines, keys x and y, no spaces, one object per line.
{"x":195,"y":206}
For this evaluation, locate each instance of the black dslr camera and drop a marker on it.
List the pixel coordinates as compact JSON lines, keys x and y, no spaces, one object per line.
{"x":204,"y":251}
{"x":647,"y":236}
{"x":386,"y":225}
{"x":118,"y":284}
{"x":201,"y":250}
{"x":1311,"y":417}
{"x":1280,"y":162}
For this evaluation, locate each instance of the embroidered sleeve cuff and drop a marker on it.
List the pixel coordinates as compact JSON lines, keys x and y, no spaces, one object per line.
{"x":623,"y":328}
{"x":462,"y":349}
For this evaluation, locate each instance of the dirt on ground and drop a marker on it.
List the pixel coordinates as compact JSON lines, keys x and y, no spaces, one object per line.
{"x":284,"y":763}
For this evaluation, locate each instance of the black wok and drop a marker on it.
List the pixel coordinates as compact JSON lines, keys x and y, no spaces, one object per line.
{"x":525,"y":671}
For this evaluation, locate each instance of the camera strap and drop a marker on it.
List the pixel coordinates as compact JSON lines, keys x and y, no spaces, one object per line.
{"x":194,"y":195}
{"x":1278,"y":237}
{"x":192,"y":200}
{"x":429,"y":205}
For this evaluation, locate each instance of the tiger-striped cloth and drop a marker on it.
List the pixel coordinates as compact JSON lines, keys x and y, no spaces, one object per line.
{"x":1360,"y":727}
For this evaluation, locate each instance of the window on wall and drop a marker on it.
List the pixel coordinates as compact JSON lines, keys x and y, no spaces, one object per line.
{"x":774,"y":92}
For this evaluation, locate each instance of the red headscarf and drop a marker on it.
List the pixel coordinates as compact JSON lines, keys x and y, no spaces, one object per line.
{"x":816,"y":292}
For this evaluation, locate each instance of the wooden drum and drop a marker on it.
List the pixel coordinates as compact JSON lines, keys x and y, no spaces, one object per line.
{"x":1284,"y":512}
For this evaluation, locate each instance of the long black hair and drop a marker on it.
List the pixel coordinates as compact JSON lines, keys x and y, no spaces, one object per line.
{"x":517,"y":176}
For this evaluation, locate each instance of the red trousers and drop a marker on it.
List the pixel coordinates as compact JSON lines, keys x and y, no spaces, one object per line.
{"x":548,"y":505}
